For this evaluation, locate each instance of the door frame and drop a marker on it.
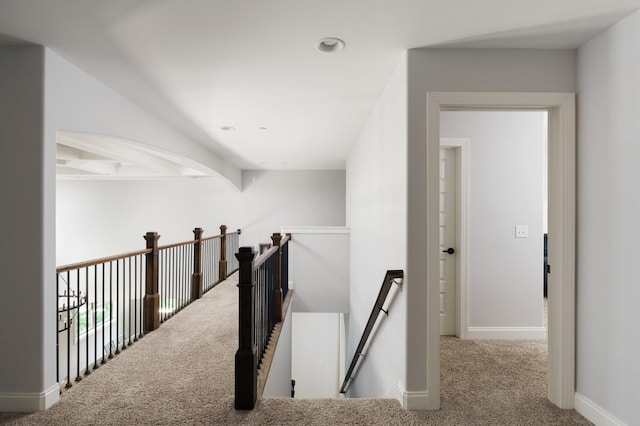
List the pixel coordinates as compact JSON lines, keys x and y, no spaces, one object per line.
{"x":461,"y":148}
{"x":561,"y":215}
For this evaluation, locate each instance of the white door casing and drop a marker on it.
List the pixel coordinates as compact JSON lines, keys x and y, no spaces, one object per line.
{"x":561,"y":249}
{"x":447,"y":237}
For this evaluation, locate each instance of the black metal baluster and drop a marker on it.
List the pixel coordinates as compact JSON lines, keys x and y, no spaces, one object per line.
{"x":167,"y":277}
{"x":142,"y":291}
{"x":117,"y":307}
{"x":180,"y":277}
{"x":95,"y":317}
{"x":166,"y":295}
{"x":185,"y":269}
{"x":162,"y":281}
{"x":111,"y":310}
{"x":68,"y":292}
{"x":174,"y":290}
{"x":187,"y":275}
{"x":87,"y":371}
{"x":104,"y":360}
{"x":168,"y":302}
{"x":58,"y":318}
{"x":124,"y":302}
{"x":169,"y":270}
{"x":135,"y":303}
{"x":129,"y":302}
{"x":78,"y":299}
{"x":162,"y":267}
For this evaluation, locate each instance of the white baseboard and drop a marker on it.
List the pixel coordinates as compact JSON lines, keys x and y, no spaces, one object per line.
{"x":507,"y":333}
{"x":29,"y":402}
{"x":418,"y":401}
{"x":594,"y":413}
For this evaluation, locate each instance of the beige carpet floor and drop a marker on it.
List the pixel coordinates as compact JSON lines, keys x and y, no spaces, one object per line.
{"x":182,"y":374}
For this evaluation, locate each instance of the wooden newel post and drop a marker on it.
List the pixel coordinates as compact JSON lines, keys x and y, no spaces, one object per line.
{"x":196,"y":281}
{"x":246,"y":373}
{"x":151,"y":297}
{"x":276,"y":238}
{"x":222,"y":265}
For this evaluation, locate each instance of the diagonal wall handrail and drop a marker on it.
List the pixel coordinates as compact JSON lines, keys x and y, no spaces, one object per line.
{"x":389,"y":279}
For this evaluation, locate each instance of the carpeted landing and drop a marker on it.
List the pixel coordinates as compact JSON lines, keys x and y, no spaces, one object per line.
{"x":182,"y":374}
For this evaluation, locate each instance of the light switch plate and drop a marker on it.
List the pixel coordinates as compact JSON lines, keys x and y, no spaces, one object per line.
{"x":522,"y":231}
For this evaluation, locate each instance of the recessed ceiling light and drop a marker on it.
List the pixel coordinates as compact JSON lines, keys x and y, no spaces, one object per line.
{"x":330,"y":45}
{"x":262,"y":128}
{"x":227,"y":128}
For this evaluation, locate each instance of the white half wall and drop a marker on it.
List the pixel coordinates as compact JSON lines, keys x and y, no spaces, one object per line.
{"x":319,"y":268}
{"x":102,"y":218}
{"x":505,"y":189}
{"x":608,"y":347}
{"x":377,"y":216}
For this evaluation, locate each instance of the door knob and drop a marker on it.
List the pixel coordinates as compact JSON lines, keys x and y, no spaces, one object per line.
{"x":450,"y":250}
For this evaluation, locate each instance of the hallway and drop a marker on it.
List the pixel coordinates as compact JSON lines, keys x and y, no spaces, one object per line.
{"x":182,"y":373}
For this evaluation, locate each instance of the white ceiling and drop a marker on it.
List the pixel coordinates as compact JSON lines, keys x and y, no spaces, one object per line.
{"x":204,"y":64}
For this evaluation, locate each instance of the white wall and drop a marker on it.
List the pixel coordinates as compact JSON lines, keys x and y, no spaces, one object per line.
{"x":27,"y":376}
{"x":102,"y":218}
{"x":608,"y":348}
{"x":319,"y":268}
{"x":438,"y":70}
{"x":315,"y":354}
{"x":505,"y":186}
{"x":377,"y":216}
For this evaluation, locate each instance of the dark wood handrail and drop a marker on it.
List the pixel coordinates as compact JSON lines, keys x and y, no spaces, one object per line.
{"x":87,"y":263}
{"x":389,"y":278}
{"x":174,"y":245}
{"x":264,"y":256}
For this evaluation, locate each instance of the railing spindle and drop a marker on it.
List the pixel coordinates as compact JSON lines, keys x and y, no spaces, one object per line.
{"x":104,"y":360}
{"x":129,"y":304}
{"x":77,"y":306}
{"x":110,"y":310}
{"x":68,"y":292}
{"x":117,"y":307}
{"x":95,"y":318}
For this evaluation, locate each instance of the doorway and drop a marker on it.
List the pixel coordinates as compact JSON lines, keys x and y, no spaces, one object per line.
{"x":561,"y":248}
{"x":497,"y":260}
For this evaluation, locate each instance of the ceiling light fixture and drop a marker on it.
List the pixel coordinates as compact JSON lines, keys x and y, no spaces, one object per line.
{"x":330,"y":45}
{"x":227,"y":128}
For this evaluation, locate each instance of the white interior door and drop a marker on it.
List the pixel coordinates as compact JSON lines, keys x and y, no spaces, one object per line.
{"x":448,"y":176}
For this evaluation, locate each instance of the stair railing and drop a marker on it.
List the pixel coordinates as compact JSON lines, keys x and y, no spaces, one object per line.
{"x":105,"y":305}
{"x":262,"y":286}
{"x":390,"y":277}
